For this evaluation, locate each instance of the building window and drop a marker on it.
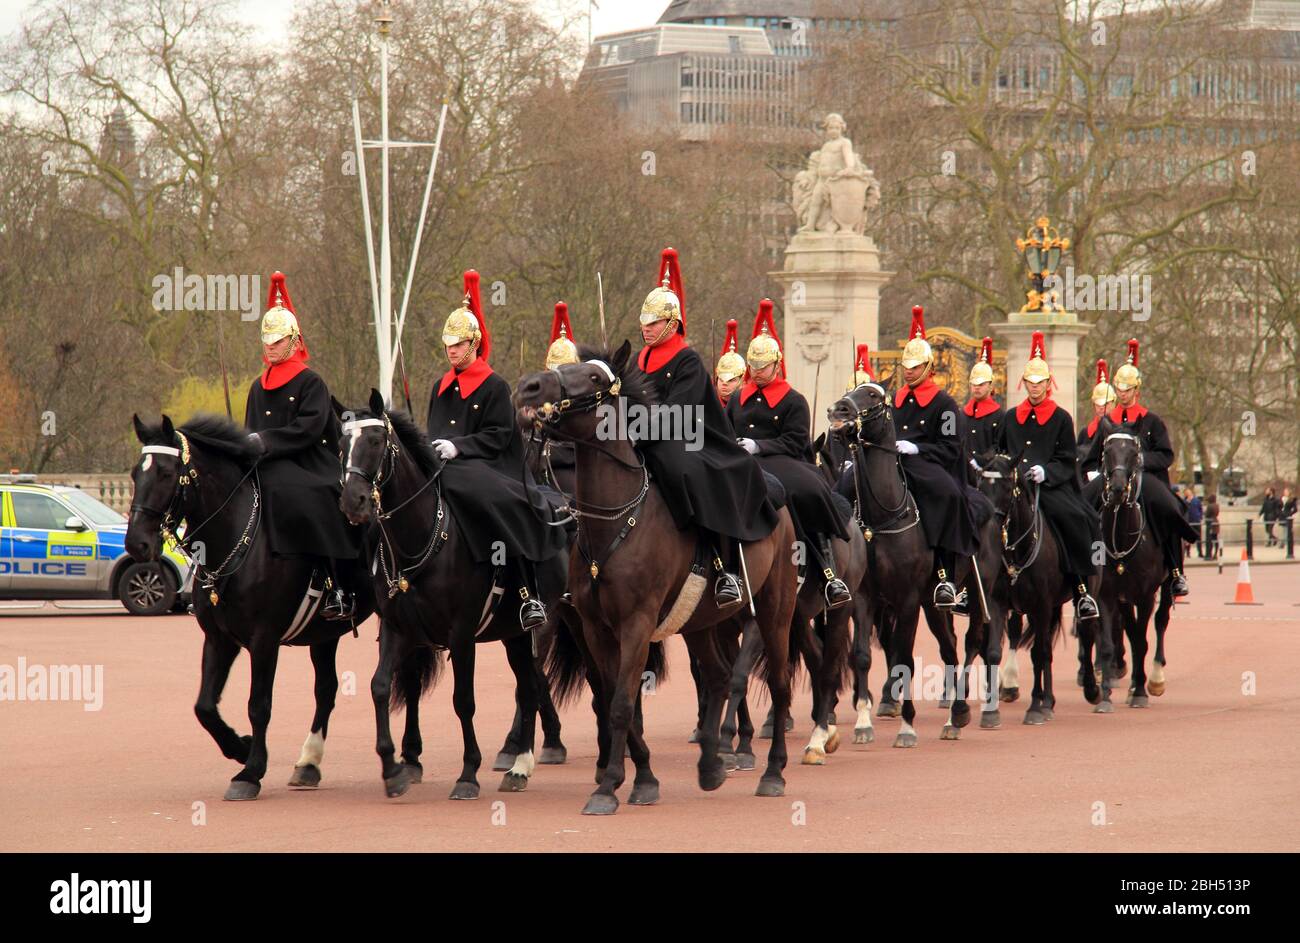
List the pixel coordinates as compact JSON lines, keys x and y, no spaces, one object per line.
{"x":733,"y":42}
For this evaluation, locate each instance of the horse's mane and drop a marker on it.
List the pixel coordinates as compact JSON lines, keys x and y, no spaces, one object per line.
{"x":637,"y":386}
{"x":414,"y":441}
{"x":221,"y":434}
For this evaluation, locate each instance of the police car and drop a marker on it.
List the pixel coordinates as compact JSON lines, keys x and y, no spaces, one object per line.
{"x":57,"y":542}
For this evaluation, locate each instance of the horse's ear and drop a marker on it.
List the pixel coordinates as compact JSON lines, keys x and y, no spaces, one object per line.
{"x":168,"y":430}
{"x":621,"y":357}
{"x":338,"y":407}
{"x":376,"y":402}
{"x":820,"y":442}
{"x":139,"y":427}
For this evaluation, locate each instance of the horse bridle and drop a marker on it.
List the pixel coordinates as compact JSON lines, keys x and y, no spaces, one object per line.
{"x":862,"y":417}
{"x":378,"y":481}
{"x":1129,"y":499}
{"x":1035,"y":529}
{"x":206,"y":578}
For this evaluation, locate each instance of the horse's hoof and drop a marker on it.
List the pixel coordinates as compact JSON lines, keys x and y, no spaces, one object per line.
{"x":1104,"y":707}
{"x":1094,"y":697}
{"x":644,"y":794}
{"x":503,"y":762}
{"x":1078,"y":678}
{"x":813,"y":756}
{"x":770,"y":788}
{"x":305,"y":777}
{"x":1156,"y":688}
{"x":833,"y":741}
{"x":1034,"y":718}
{"x":397,"y":784}
{"x":961,"y":715}
{"x":713,"y":778}
{"x":889,"y":709}
{"x":764,"y":733}
{"x":241,"y":791}
{"x":864,"y":734}
{"x":1139,"y":700}
{"x":600,"y":804}
{"x":950,"y":732}
{"x":990,"y":720}
{"x":414,"y":772}
{"x":464,"y":790}
{"x":695,"y":735}
{"x":1008,"y":695}
{"x":552,"y":756}
{"x":511,"y":782}
{"x":1047,"y":712}
{"x":745,"y":761}
{"x":728,"y":761}
{"x":905,"y":741}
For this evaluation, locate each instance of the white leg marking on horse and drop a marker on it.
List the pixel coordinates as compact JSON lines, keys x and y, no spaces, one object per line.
{"x":1010,"y":671}
{"x":313,"y":750}
{"x":1157,"y":672}
{"x":864,"y":713}
{"x":819,"y":737}
{"x":524,"y":765}
{"x":906,"y":728}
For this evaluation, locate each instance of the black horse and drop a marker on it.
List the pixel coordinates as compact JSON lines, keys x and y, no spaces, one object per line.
{"x":431,"y":595}
{"x":1034,"y":582}
{"x":205,"y":474}
{"x":1135,"y":574}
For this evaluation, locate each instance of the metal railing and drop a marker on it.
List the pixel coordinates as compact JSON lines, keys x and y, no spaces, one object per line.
{"x":1247,"y":533}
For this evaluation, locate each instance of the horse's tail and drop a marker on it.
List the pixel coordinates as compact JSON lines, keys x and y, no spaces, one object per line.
{"x":1029,"y":633}
{"x":418,"y":669}
{"x":657,"y":662}
{"x":565,"y":668}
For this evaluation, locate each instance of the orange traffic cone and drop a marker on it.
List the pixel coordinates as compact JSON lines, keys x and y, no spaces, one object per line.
{"x":1244,"y":595}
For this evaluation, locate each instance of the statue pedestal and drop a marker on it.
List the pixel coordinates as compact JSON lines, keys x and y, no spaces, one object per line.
{"x":1062,"y":332}
{"x":831,"y":287}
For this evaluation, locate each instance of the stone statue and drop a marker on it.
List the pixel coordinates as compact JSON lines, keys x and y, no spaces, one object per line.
{"x":833,"y":193}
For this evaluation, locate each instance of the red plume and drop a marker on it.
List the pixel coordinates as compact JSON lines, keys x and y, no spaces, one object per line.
{"x":476,"y":308}
{"x":731,"y":342}
{"x":670,"y":264}
{"x":918,"y":323}
{"x":764,"y":319}
{"x":279,"y":292}
{"x":1133,"y":351}
{"x":561,"y":319}
{"x":1102,"y":371}
{"x":863,"y":362}
{"x":1037,"y":346}
{"x":986,"y":352}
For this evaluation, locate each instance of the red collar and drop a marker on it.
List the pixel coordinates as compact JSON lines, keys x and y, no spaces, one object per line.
{"x":1042,"y":412}
{"x":978,"y":409}
{"x":773,"y":393}
{"x":470,"y":378}
{"x":1133,"y":413}
{"x":277,"y":375}
{"x":925,"y":392}
{"x":1092,"y":426}
{"x":654,"y":358}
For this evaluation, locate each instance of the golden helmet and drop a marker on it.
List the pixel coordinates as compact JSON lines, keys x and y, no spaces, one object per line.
{"x":668,"y":301}
{"x":279,"y":321}
{"x":466,"y":322}
{"x":562,"y":349}
{"x":917,"y":349}
{"x":982,"y":372}
{"x":862,"y":367}
{"x":1036,"y":368}
{"x":1128,"y":377}
{"x":1103,"y":394}
{"x":765,"y":347}
{"x":731,"y":366}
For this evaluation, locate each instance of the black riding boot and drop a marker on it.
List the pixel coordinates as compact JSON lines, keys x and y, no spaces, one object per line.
{"x":532,"y":614}
{"x":339,"y":603}
{"x":1177,"y":582}
{"x":1085,"y":607}
{"x":726,"y":589}
{"x":945,"y":594}
{"x":836,"y":590}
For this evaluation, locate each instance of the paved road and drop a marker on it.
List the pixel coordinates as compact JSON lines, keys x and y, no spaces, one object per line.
{"x":1209,"y":766}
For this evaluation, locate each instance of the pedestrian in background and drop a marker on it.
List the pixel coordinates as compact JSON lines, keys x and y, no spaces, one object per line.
{"x":1195,"y":517}
{"x":1270,"y":510}
{"x":1212,"y":526}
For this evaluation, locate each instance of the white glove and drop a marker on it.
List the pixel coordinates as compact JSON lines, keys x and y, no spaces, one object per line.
{"x":749,"y":445}
{"x":975,"y":465}
{"x":1093,"y":474}
{"x":906,"y":448}
{"x":446,"y":451}
{"x":1036,"y":474}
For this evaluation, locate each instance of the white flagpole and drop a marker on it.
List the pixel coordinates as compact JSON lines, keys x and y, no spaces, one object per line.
{"x":365,"y":213}
{"x":385,"y":246}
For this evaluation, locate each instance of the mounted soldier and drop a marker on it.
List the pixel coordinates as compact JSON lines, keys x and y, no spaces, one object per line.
{"x":773,"y":423}
{"x":717,"y":486}
{"x":472,"y":425}
{"x":929,"y":440}
{"x":1167,"y":513}
{"x":730,"y":371}
{"x":295,"y":430}
{"x":1042,"y":435}
{"x":557,"y":456}
{"x":984,"y":416}
{"x":1103,"y":400}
